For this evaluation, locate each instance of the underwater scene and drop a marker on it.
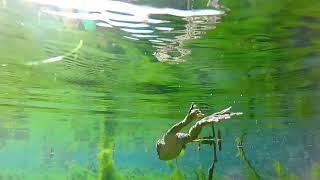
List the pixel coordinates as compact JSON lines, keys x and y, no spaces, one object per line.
{"x":143,"y":89}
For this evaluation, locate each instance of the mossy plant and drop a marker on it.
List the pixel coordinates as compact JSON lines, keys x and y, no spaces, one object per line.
{"x":315,"y":171}
{"x":200,"y":173}
{"x":281,"y":172}
{"x":177,"y":174}
{"x":106,"y":166}
{"x":76,"y":172}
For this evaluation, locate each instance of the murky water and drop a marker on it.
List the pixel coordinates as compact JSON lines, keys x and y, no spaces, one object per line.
{"x":88,"y":87}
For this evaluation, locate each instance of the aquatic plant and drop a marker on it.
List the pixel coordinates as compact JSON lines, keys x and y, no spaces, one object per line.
{"x":281,"y":172}
{"x":182,"y":153}
{"x":200,"y":173}
{"x":76,"y":172}
{"x":176,"y":174}
{"x":315,"y":171}
{"x":250,"y":171}
{"x":106,"y":166}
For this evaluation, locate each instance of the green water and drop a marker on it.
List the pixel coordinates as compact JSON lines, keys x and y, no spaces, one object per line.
{"x":96,"y":110}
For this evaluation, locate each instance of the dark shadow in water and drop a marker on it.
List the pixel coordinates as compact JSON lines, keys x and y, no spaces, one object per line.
{"x":214,"y":160}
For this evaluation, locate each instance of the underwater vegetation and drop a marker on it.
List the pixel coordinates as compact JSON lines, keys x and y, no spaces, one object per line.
{"x":106,"y":166}
{"x":77,"y":172}
{"x":281,"y":172}
{"x":74,"y":172}
{"x":251,"y":173}
{"x":315,"y":171}
{"x":200,"y":173}
{"x":176,"y":174}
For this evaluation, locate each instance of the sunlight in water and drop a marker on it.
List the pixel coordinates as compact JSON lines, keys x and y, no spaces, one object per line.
{"x":135,"y":20}
{"x":122,"y":7}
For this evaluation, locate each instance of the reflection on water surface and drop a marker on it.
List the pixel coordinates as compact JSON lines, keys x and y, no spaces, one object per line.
{"x":83,"y":94}
{"x":166,"y":34}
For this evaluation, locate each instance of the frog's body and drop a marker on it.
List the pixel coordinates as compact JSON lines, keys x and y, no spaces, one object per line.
{"x":171,"y":144}
{"x":170,"y":148}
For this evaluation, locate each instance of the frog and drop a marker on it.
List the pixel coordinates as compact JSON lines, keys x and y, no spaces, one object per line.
{"x":170,"y":144}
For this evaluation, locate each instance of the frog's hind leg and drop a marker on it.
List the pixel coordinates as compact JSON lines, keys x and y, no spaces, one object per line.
{"x":196,"y":129}
{"x":193,"y":133}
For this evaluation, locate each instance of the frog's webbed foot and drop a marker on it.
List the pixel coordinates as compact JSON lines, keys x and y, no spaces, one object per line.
{"x":194,"y":112}
{"x":224,"y":114}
